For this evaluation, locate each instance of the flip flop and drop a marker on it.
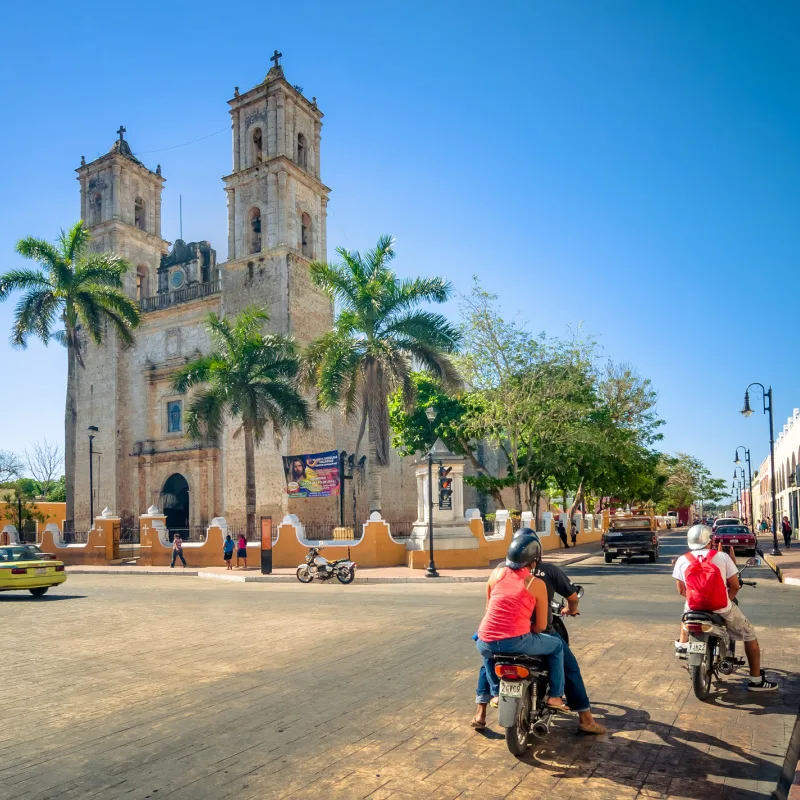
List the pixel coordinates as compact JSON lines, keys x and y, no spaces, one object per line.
{"x":562,"y":709}
{"x":479,"y":726}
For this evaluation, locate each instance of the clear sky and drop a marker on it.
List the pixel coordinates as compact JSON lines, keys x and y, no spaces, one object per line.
{"x":631,"y":165}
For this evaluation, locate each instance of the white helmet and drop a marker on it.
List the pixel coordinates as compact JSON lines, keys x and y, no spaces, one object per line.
{"x":698,"y":537}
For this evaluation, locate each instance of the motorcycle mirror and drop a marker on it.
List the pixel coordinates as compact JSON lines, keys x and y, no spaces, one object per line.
{"x":579,"y":591}
{"x":753,"y":562}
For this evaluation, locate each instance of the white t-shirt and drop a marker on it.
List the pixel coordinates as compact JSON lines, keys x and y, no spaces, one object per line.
{"x":721,"y":560}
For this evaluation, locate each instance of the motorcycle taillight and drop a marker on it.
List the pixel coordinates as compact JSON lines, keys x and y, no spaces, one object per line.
{"x":694,"y":627}
{"x":511,"y":672}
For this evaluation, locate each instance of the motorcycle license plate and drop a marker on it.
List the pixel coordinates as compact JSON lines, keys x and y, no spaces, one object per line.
{"x":510,"y":689}
{"x":697,"y":647}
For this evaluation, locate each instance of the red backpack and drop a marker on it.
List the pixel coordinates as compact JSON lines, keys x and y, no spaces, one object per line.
{"x":705,"y":586}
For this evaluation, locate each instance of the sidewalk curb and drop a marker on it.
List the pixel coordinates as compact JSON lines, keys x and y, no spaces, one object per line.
{"x":257,"y":578}
{"x":788,"y":787}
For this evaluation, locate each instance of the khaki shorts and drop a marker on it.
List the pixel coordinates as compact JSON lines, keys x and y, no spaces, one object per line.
{"x":739,"y":627}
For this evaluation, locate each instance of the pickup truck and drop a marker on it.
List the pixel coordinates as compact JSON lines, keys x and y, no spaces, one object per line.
{"x":630,"y":536}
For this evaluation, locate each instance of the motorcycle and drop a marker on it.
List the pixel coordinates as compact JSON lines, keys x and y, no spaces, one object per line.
{"x":522,"y":709}
{"x":319,"y":567}
{"x":710,"y":651}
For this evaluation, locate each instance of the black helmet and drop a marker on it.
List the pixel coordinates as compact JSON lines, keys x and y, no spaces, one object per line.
{"x":525,"y":548}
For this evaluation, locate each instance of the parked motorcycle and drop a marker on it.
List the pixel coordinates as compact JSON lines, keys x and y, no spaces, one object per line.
{"x":522,"y":709}
{"x":710,"y":650}
{"x":319,"y":567}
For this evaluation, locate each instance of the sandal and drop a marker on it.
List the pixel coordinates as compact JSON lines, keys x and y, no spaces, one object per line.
{"x":595,"y":729}
{"x":561,"y":708}
{"x":477,"y":724}
{"x":495,"y":702}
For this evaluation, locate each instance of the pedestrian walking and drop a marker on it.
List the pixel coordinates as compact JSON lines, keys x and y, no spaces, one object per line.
{"x":786,"y":530}
{"x":762,"y":526}
{"x":177,"y":550}
{"x":241,"y":551}
{"x":574,"y":534}
{"x":562,"y":533}
{"x":227,"y":551}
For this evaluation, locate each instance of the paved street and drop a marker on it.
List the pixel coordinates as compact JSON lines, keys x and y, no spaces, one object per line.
{"x":154,"y":687}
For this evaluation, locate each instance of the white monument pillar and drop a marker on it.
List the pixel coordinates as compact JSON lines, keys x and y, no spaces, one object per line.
{"x":451,"y":530}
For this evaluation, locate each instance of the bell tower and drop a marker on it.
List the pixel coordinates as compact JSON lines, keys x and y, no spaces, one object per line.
{"x":277,"y":206}
{"x":121,"y":207}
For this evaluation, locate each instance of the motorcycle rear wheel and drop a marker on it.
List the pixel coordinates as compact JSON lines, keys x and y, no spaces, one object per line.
{"x":517,"y":734}
{"x":304,"y":575}
{"x":345,"y":575}
{"x":701,"y":675}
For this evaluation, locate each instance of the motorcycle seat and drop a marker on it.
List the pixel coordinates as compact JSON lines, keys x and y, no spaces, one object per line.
{"x":703,"y":616}
{"x":535,"y":662}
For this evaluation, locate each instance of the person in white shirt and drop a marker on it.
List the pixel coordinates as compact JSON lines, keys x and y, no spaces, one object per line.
{"x":740,"y":629}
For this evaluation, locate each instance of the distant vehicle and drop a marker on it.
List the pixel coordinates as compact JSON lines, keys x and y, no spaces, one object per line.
{"x":25,"y":566}
{"x":725,"y":521}
{"x":630,"y":536}
{"x":736,"y":536}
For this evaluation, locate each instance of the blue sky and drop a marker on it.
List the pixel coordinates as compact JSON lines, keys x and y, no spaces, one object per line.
{"x":634,"y":166}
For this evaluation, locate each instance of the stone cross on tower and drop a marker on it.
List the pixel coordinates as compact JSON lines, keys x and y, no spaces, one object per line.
{"x":276,"y":57}
{"x":122,"y":131}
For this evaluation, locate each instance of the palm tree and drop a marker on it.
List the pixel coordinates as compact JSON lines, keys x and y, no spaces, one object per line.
{"x":251,"y":376}
{"x":379,"y":335}
{"x":81,"y":291}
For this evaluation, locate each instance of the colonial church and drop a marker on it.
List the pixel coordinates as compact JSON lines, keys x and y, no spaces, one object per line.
{"x":277,"y":209}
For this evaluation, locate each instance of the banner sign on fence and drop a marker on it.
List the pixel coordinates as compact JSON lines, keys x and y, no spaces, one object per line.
{"x":312,"y":475}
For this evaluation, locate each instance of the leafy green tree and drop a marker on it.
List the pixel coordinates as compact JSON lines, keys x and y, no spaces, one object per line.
{"x":250,"y":376}
{"x":57,"y":493}
{"x":413,"y":433}
{"x":688,"y":481}
{"x":72,"y":296}
{"x":19,"y":509}
{"x":379,"y":336}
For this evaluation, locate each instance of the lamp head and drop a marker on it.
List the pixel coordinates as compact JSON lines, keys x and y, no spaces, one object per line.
{"x":747,"y":411}
{"x":93,"y":429}
{"x":430,"y":413}
{"x":737,"y":460}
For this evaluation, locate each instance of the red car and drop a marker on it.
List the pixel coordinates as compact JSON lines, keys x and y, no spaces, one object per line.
{"x":736,"y":536}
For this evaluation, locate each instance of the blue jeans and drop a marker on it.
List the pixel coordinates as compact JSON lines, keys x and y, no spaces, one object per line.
{"x":574,"y":688}
{"x":177,"y":554}
{"x":530,"y":644}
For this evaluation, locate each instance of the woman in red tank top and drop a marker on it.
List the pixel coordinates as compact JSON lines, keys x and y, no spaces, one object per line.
{"x":513,"y":598}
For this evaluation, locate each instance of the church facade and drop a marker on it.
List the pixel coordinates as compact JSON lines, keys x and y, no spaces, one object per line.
{"x":277,"y":209}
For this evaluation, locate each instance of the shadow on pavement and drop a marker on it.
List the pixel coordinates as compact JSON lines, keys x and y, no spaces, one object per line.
{"x":639,"y":752}
{"x":14,"y":597}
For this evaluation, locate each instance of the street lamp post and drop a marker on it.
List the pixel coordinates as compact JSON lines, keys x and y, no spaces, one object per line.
{"x":431,"y":572}
{"x":747,"y":411}
{"x":92,"y":431}
{"x":737,"y":460}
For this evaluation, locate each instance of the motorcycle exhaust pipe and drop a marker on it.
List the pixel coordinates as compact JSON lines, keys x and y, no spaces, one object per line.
{"x":541,"y":728}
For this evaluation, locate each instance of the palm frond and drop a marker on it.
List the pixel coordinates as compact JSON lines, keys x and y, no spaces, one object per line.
{"x":21,"y":279}
{"x":205,"y":415}
{"x":101,"y":269}
{"x":39,"y":250}
{"x":424,"y":326}
{"x":194,"y":373}
{"x":73,"y":243}
{"x":35,"y":315}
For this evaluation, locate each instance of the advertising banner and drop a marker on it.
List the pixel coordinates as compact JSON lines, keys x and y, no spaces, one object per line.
{"x":312,"y":474}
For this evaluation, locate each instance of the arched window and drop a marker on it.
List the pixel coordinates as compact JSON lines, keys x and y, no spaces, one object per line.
{"x":96,"y":209}
{"x":255,"y":230}
{"x":302,"y":152}
{"x":142,"y":282}
{"x":258,"y":151}
{"x":306,"y":243}
{"x":138,"y":214}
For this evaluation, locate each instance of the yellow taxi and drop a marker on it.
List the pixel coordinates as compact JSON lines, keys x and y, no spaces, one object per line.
{"x":25,"y":566}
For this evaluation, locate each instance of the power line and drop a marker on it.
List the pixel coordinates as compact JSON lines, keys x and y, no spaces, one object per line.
{"x":185,"y":144}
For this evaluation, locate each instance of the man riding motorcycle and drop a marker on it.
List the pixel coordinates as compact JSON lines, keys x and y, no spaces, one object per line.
{"x":739,"y":627}
{"x":555,"y":580}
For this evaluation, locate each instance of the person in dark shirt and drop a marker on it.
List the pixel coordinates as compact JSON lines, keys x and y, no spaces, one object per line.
{"x":556,"y":582}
